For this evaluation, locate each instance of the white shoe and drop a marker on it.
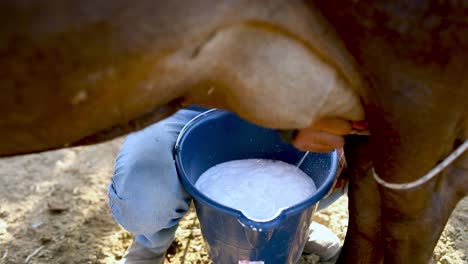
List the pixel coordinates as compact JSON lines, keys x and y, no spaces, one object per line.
{"x":138,"y":254}
{"x":322,"y":242}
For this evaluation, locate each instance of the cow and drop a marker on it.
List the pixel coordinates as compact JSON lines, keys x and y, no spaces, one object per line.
{"x":80,"y":72}
{"x":413,"y":54}
{"x":76,"y":72}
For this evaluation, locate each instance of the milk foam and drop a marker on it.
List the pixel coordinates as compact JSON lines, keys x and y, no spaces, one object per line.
{"x":261,"y":189}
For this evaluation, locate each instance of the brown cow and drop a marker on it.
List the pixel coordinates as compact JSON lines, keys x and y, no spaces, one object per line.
{"x":414,"y":55}
{"x":74,"y":69}
{"x":75,"y":72}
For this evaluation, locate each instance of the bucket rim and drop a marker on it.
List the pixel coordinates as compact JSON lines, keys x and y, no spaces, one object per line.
{"x":268,"y":224}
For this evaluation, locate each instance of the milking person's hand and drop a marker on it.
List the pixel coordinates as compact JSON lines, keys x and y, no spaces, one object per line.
{"x":326,"y":134}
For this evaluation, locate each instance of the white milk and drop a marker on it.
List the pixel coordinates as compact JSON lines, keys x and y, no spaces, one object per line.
{"x":259,"y":188}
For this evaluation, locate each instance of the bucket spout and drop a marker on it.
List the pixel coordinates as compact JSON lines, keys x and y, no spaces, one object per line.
{"x":259,"y":233}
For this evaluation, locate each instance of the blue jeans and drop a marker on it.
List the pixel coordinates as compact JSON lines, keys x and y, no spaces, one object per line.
{"x":145,"y":195}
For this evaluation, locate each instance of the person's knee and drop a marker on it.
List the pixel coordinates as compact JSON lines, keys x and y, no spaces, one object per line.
{"x":145,"y":194}
{"x":148,"y":213}
{"x":139,"y":169}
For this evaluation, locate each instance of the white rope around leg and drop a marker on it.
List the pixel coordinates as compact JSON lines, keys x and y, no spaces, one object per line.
{"x":431,"y":174}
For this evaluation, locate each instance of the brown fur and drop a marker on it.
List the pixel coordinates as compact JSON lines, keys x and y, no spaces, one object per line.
{"x":74,"y":69}
{"x":75,"y":72}
{"x":414,"y":56}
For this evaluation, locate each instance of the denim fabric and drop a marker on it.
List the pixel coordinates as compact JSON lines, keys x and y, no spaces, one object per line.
{"x":145,"y":195}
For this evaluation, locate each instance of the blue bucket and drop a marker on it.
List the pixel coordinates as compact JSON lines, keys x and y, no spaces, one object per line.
{"x":218,"y":136}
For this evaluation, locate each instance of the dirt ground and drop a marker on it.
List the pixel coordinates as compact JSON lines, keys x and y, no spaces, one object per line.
{"x":53,"y":209}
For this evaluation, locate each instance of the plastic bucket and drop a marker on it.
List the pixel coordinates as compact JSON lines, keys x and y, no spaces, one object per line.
{"x":218,"y":136}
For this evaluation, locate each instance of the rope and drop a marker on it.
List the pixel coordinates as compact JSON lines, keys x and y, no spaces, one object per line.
{"x":431,"y":174}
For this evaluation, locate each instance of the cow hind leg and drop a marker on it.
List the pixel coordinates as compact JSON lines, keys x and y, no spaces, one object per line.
{"x":383,"y":230}
{"x":412,"y":233}
{"x":362,"y":243}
